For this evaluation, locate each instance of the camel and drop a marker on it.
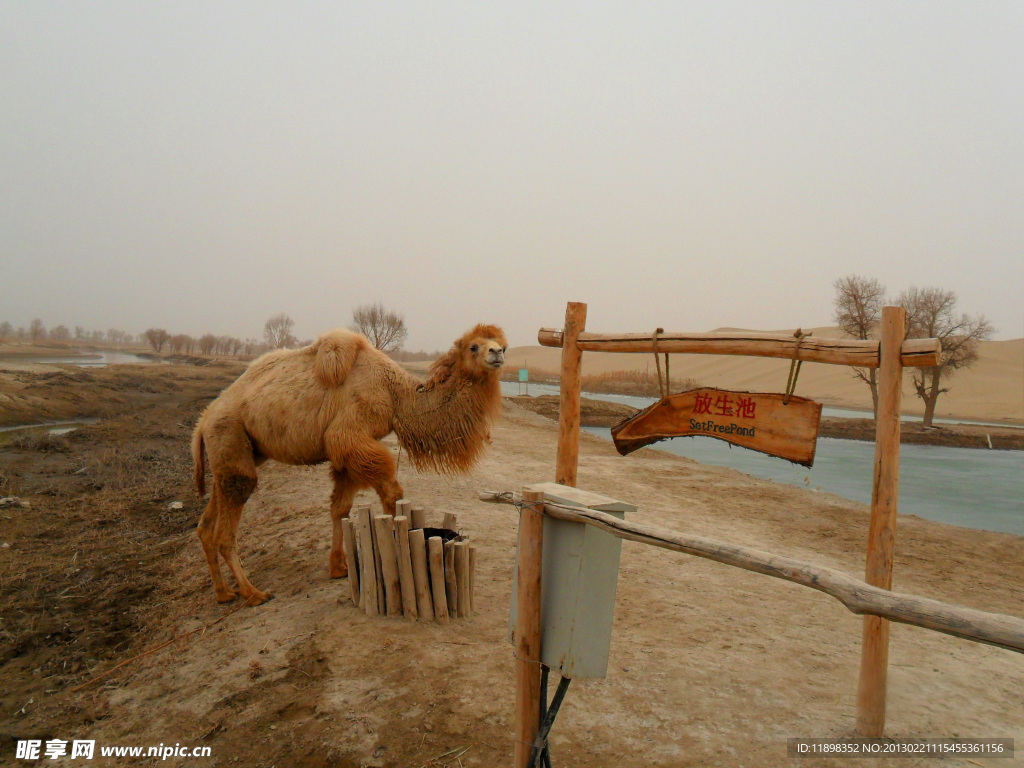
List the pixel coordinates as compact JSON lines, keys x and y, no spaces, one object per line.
{"x":333,"y":401}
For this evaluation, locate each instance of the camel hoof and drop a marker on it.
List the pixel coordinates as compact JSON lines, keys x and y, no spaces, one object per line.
{"x":258,"y":598}
{"x":226,"y":596}
{"x":339,"y":573}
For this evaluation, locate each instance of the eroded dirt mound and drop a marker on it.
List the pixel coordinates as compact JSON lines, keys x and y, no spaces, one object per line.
{"x":593,"y":413}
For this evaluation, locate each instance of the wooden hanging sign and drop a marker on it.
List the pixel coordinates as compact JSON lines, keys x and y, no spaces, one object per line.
{"x":756,"y":420}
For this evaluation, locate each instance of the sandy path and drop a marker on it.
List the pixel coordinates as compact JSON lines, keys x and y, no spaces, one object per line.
{"x":709,"y":665}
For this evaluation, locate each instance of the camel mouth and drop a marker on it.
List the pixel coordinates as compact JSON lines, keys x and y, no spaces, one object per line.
{"x":497,"y":361}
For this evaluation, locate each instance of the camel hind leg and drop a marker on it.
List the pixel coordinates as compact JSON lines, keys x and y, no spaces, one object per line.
{"x":231,"y":493}
{"x":207,"y":536}
{"x":233,"y":467}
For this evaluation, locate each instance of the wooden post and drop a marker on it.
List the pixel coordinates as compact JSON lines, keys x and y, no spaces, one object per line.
{"x":405,"y":567}
{"x":472,"y":576}
{"x":527,"y":636}
{"x":349,"y":539}
{"x":874,"y":661}
{"x":451,"y":586}
{"x":403,"y":507}
{"x":375,"y":560}
{"x":450,"y":521}
{"x":418,"y":518}
{"x":368,"y":572}
{"x":420,"y":574}
{"x":462,"y":576}
{"x":385,"y":527}
{"x":569,"y":403}
{"x":436,"y":547}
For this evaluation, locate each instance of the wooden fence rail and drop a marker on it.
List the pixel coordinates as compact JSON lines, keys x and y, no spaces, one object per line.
{"x":861,"y":598}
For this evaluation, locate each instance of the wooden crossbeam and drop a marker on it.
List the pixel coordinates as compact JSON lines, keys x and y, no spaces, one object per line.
{"x":915,"y":353}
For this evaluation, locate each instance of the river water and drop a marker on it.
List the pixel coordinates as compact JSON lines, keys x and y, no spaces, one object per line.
{"x":973,"y":488}
{"x":85,"y":360}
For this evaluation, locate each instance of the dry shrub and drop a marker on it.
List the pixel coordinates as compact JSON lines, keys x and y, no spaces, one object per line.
{"x":43,"y":442}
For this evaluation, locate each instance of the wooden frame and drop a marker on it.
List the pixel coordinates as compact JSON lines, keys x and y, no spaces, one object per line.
{"x":875,"y":602}
{"x":890,"y":355}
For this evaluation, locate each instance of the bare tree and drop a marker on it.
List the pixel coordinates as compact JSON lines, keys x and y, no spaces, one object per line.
{"x":79,"y":333}
{"x":190,"y":344}
{"x":60,"y":333}
{"x":931,"y":314}
{"x":157,"y":337}
{"x":385,"y":329}
{"x":37,"y":330}
{"x":858,"y":311}
{"x":278,"y":331}
{"x":206,"y":343}
{"x":6,"y":330}
{"x":177,"y":343}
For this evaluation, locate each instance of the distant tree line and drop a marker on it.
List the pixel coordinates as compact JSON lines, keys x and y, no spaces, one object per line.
{"x":37,"y":331}
{"x":386,"y":330}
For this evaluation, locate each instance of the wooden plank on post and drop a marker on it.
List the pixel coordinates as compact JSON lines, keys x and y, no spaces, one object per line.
{"x":436,"y":548}
{"x":420,"y":574}
{"x":527,"y":632}
{"x":349,"y":542}
{"x":462,"y":576}
{"x":569,"y":398}
{"x":368,"y":573}
{"x":405,"y":567}
{"x":385,"y":527}
{"x":451,"y":586}
{"x":871,"y":691}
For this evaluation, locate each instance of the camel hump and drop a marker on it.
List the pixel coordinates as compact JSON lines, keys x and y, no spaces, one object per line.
{"x":336,"y":353}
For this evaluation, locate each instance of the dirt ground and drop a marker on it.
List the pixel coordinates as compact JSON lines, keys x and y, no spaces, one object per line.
{"x":709,"y":665}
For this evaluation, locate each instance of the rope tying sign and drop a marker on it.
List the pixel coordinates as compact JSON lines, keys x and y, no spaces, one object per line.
{"x":794,"y":365}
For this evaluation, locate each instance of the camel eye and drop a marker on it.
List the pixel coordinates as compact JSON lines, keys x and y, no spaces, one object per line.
{"x":474,"y":349}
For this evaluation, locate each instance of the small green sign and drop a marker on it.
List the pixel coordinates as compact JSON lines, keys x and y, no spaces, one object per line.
{"x":524,"y":375}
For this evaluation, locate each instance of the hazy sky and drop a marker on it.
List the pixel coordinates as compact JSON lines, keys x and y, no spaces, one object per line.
{"x":201,"y":166}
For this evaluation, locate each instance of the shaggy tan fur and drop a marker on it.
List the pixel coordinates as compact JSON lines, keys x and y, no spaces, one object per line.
{"x":333,"y":401}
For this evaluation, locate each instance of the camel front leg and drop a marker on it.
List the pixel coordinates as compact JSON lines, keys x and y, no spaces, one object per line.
{"x":341,"y":504}
{"x":367,"y":464}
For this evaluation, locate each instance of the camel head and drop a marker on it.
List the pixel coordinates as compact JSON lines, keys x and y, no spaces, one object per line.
{"x":481,"y":351}
{"x":478,"y":354}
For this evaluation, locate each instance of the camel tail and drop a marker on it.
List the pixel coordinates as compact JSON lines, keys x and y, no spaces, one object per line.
{"x":198,"y":456}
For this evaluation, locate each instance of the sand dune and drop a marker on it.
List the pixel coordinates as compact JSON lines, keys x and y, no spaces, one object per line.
{"x":992,"y":390}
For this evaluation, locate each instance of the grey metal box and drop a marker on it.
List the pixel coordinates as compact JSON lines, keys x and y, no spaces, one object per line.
{"x":579,"y":574}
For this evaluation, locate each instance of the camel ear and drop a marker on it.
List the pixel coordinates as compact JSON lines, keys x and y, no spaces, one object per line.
{"x":335,"y":355}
